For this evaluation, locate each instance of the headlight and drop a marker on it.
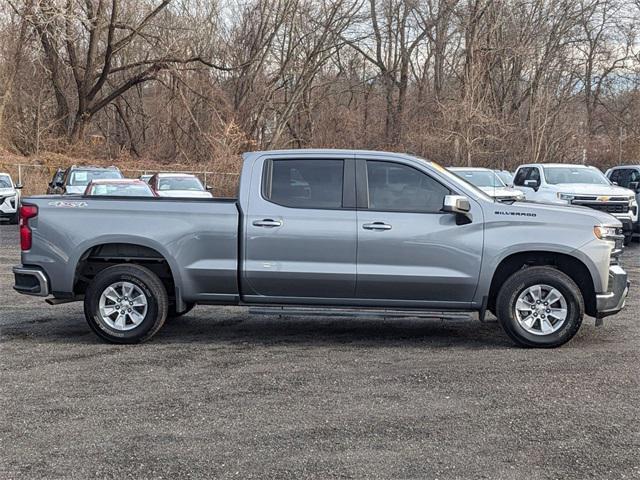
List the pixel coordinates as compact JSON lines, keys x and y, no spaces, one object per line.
{"x":567,"y":197}
{"x":603,"y":232}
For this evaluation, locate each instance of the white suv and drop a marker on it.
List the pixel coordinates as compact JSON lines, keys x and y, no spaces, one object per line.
{"x":9,"y":198}
{"x":578,"y":185}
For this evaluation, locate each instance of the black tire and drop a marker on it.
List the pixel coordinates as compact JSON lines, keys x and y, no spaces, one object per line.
{"x":528,"y":277}
{"x":172,"y":310}
{"x":627,"y":238}
{"x":156,"y":297}
{"x":14,"y":219}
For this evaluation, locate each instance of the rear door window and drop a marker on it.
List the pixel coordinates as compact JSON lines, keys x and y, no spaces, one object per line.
{"x":314,"y":184}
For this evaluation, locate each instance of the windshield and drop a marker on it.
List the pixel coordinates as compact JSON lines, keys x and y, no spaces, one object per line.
{"x":180,"y":183}
{"x":480,"y":178}
{"x":82,"y":178}
{"x":5,"y":181}
{"x":122,"y":190}
{"x":561,"y":175}
{"x":506,"y":177}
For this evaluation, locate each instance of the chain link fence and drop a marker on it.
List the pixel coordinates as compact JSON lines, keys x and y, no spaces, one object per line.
{"x":35,"y":178}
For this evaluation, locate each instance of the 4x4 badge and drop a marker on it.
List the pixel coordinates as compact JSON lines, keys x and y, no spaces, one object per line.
{"x":67,"y":204}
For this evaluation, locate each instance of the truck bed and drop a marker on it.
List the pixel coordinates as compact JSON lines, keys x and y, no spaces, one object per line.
{"x":197,"y":237}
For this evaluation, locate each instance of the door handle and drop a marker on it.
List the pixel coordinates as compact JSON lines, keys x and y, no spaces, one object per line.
{"x":376,"y":226}
{"x":268,"y":222}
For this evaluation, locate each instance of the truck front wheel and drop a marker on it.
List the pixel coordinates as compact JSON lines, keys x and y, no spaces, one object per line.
{"x":540,"y":307}
{"x":126,"y":304}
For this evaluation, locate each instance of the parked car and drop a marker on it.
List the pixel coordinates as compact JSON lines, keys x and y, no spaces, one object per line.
{"x":578,"y":185}
{"x":146,"y":177}
{"x":489,"y":182}
{"x":75,"y":179}
{"x":506,"y":177}
{"x":9,"y":199}
{"x":125,"y":187}
{"x":327,"y":232}
{"x":627,"y":176}
{"x":181,"y":185}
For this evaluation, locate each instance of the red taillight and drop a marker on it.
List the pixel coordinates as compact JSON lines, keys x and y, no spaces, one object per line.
{"x":26,"y":212}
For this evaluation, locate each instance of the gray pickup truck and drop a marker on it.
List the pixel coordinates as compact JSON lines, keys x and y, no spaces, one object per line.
{"x":330,"y":231}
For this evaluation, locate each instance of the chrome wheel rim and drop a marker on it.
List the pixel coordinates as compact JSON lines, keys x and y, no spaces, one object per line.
{"x":541,"y":310}
{"x":123,"y":306}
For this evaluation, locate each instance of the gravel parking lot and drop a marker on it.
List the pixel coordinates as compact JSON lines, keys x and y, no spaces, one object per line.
{"x":220,"y":394}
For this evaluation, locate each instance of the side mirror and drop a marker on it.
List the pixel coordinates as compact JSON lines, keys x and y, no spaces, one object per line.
{"x":535,"y":184}
{"x":456,"y":204}
{"x":208,"y":187}
{"x":18,"y":186}
{"x":614,"y":183}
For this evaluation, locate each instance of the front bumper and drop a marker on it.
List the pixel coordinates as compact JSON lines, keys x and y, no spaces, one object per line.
{"x":31,"y":281}
{"x":627,"y":223}
{"x":613,"y":301}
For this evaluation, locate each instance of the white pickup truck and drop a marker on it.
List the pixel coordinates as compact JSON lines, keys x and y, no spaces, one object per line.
{"x":580,"y":185}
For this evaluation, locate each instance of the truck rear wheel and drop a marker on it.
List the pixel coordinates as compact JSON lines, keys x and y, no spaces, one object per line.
{"x":126,"y":304}
{"x":540,"y":307}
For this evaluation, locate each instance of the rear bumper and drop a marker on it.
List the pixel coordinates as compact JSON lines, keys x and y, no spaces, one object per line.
{"x":613,"y":301}
{"x":31,"y":281}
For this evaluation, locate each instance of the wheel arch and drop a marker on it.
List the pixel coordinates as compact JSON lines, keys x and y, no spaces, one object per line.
{"x":104,"y":253}
{"x":566,"y":263}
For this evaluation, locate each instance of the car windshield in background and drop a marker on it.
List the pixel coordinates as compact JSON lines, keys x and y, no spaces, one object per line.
{"x":480,"y":178}
{"x":180,"y":183}
{"x":122,"y":190}
{"x":560,"y":175}
{"x":506,"y":177}
{"x":456,"y":179}
{"x":82,"y":178}
{"x":5,"y":182}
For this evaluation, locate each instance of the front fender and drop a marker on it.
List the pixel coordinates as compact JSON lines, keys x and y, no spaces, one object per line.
{"x":489,"y":268}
